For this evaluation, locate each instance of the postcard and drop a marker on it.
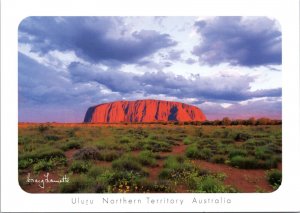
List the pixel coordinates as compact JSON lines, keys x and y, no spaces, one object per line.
{"x":174,"y":112}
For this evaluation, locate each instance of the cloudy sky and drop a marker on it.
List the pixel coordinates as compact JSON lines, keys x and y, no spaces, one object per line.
{"x":227,"y":66}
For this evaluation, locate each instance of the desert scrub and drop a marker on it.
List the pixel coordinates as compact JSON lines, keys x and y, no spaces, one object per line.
{"x":105,"y":144}
{"x":227,"y":141}
{"x":177,"y":168}
{"x":274,"y":177}
{"x":48,"y":165}
{"x":127,"y":163}
{"x":118,"y":181}
{"x":109,"y":155}
{"x":87,"y":153}
{"x":73,"y":144}
{"x":205,"y":153}
{"x":79,"y":166}
{"x":144,"y":186}
{"x":192,"y":152}
{"x":236,"y":152}
{"x":95,"y":171}
{"x":134,"y":146}
{"x":52,"y":137}
{"x":42,"y":154}
{"x":147,"y":158}
{"x":209,"y":184}
{"x":125,"y":140}
{"x":157,"y":146}
{"x":219,"y":159}
{"x":242,"y":136}
{"x":77,"y":184}
{"x":262,"y":153}
{"x":187,"y":141}
{"x":243,"y":162}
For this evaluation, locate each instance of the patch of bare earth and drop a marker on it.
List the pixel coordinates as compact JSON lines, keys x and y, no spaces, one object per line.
{"x":135,"y":152}
{"x":176,"y":150}
{"x":243,"y":179}
{"x":69,"y":154}
{"x":102,"y":163}
{"x":154,"y":171}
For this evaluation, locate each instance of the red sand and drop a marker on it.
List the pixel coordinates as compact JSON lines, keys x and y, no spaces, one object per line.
{"x":245,"y":180}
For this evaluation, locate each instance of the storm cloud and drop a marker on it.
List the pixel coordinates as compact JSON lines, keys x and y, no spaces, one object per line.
{"x":219,"y":88}
{"x":95,"y":39}
{"x":67,"y":64}
{"x":238,"y":41}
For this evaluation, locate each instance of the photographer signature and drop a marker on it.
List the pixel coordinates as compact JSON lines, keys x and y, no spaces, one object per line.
{"x":43,"y":181}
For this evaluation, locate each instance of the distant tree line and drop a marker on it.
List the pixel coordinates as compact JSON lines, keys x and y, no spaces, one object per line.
{"x":226,"y":121}
{"x":251,"y":121}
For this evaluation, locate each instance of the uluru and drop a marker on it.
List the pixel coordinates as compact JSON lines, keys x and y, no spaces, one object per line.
{"x":143,"y":111}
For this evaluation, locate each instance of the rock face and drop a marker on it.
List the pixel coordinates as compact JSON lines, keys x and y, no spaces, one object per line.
{"x":143,"y":111}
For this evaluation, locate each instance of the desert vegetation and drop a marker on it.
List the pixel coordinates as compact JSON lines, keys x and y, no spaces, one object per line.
{"x":214,"y":156}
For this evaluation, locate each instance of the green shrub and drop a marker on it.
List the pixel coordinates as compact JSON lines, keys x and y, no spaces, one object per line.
{"x":25,"y":163}
{"x":159,"y":186}
{"x":147,"y":158}
{"x":177,"y":168}
{"x":47,"y":165}
{"x":205,"y":154}
{"x":39,"y":154}
{"x":125,"y":140}
{"x":109,"y":155}
{"x":192,"y":152}
{"x":71,"y":145}
{"x":218,"y":159}
{"x":157,"y":146}
{"x":110,"y":145}
{"x":242,"y":136}
{"x":87,"y":153}
{"x":268,"y":163}
{"x":209,"y":184}
{"x":23,"y":140}
{"x":79,"y":166}
{"x":262,"y":153}
{"x":127,"y":163}
{"x":244,"y":162}
{"x":42,"y":166}
{"x":52,"y":137}
{"x":274,"y":177}
{"x":137,"y":145}
{"x":76,"y":184}
{"x":227,"y":141}
{"x":95,"y":171}
{"x":237,"y":152}
{"x":187,"y":141}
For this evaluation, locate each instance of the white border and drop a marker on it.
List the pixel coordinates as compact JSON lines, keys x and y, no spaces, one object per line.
{"x":13,"y":11}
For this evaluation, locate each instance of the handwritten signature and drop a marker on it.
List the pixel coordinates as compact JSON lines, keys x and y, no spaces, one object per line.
{"x":42,"y":181}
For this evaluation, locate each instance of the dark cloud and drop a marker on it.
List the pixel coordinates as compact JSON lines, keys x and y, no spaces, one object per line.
{"x":43,"y":88}
{"x":85,"y":85}
{"x":114,"y":80}
{"x":219,"y":88}
{"x":244,"y":42}
{"x":96,"y":39}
